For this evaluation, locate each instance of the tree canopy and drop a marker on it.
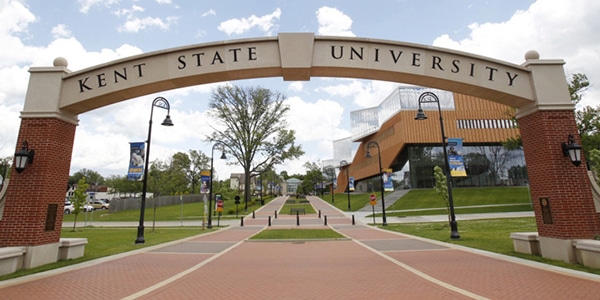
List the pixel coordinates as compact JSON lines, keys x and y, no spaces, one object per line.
{"x":251,"y":124}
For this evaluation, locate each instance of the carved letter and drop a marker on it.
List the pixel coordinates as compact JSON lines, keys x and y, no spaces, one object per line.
{"x":376,"y":54}
{"x":235,"y":51}
{"x":124,"y":75}
{"x":139,"y":67}
{"x":181,"y":60}
{"x":333,"y":52}
{"x":216,"y":57}
{"x":252,"y":53}
{"x":198,"y":60}
{"x":396,"y":57}
{"x":511,"y":79}
{"x":436,"y":62}
{"x":101,"y":79}
{"x":455,"y":64}
{"x":492,"y":70}
{"x":416,"y":59}
{"x":353,"y":51}
{"x":82,"y":85}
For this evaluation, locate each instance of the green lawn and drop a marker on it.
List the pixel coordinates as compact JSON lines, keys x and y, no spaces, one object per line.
{"x":278,"y":234}
{"x":491,"y":235}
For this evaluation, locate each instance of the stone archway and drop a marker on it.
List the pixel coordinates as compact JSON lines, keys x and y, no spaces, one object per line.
{"x":56,"y":96}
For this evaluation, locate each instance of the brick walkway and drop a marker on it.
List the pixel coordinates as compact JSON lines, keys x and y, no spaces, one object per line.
{"x":371,"y":263}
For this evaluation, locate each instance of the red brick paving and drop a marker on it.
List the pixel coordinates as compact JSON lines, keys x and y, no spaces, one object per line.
{"x":374,"y":264}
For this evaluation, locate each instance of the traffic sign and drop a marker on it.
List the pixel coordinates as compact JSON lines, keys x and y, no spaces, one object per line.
{"x":373,"y":199}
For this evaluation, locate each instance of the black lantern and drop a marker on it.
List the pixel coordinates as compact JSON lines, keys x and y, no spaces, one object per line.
{"x":572,"y":150}
{"x":23,"y":157}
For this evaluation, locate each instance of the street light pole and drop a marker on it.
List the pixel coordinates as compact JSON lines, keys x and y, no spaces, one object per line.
{"x":164,"y":104}
{"x":210,"y":185}
{"x":429,"y":97}
{"x":342,"y":164}
{"x":332,"y":187}
{"x":372,"y":144}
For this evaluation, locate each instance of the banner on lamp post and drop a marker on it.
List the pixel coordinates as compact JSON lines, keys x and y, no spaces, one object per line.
{"x":455,"y":157}
{"x":388,"y":184}
{"x":136,"y":161}
{"x":204,"y":182}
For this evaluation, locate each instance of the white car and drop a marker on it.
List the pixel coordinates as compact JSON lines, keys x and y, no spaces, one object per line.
{"x":87,"y":208}
{"x":69,"y":208}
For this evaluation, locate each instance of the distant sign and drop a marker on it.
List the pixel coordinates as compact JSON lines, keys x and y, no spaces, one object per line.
{"x":373,"y":199}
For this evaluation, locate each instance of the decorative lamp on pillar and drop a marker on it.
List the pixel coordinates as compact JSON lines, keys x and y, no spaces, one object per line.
{"x":23,"y":157}
{"x":572,"y":150}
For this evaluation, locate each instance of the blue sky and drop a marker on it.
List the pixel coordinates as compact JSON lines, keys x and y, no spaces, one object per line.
{"x":90,"y":32}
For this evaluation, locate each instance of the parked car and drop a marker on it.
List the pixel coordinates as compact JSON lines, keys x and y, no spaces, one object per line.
{"x":69,"y":208}
{"x":87,"y":208}
{"x":99,"y":204}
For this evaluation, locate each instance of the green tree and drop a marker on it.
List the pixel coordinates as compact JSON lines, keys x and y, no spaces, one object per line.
{"x":312,"y":180}
{"x":91,"y":176}
{"x":252,"y":126}
{"x":441,"y":187}
{"x":79,"y":198}
{"x":199,"y":162}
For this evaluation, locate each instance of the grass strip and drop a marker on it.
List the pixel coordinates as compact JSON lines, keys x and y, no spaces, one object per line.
{"x":293,"y":234}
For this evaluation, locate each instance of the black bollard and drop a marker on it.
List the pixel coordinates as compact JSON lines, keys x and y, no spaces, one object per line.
{"x":253,"y":216}
{"x":242,"y":221}
{"x":297,"y":218}
{"x":275,"y":214}
{"x":319,"y":213}
{"x":325,"y":222}
{"x":269,"y":220}
{"x":353,"y":223}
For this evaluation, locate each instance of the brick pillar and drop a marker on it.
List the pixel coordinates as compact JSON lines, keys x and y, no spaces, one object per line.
{"x":561,"y":193}
{"x":29,"y":218}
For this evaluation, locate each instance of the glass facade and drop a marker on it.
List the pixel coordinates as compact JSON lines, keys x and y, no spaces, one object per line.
{"x":490,"y":165}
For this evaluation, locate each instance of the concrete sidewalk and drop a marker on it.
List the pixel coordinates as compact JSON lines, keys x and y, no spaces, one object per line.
{"x":368,"y":263}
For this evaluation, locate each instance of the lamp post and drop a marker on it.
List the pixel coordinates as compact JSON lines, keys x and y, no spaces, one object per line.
{"x":159,"y":102}
{"x":344,"y":163}
{"x":374,"y":144}
{"x":429,"y":97}
{"x":332,"y":170}
{"x":210,"y":184}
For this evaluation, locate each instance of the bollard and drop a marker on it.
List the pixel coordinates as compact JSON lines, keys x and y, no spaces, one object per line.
{"x":242,"y":221}
{"x":253,"y":216}
{"x":297,"y":218}
{"x":275,"y":214}
{"x":269,"y":220}
{"x":319,"y":213}
{"x":325,"y":223}
{"x":353,"y":223}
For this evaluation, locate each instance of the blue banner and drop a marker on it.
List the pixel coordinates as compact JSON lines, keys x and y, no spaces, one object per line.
{"x":136,"y":161}
{"x":204,"y":182}
{"x":455,"y":158}
{"x":388,"y":184}
{"x":351,"y":184}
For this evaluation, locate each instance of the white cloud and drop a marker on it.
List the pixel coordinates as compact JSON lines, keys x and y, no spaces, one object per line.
{"x":136,"y":24}
{"x":210,"y":12}
{"x":86,"y":5}
{"x":296,"y":86}
{"x":239,"y":26}
{"x":334,"y":22}
{"x":314,"y":122}
{"x":556,"y":29}
{"x":365,"y":93}
{"x":61,"y":31}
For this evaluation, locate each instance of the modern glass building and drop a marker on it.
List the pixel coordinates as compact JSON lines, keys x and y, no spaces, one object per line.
{"x":412,"y":148}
